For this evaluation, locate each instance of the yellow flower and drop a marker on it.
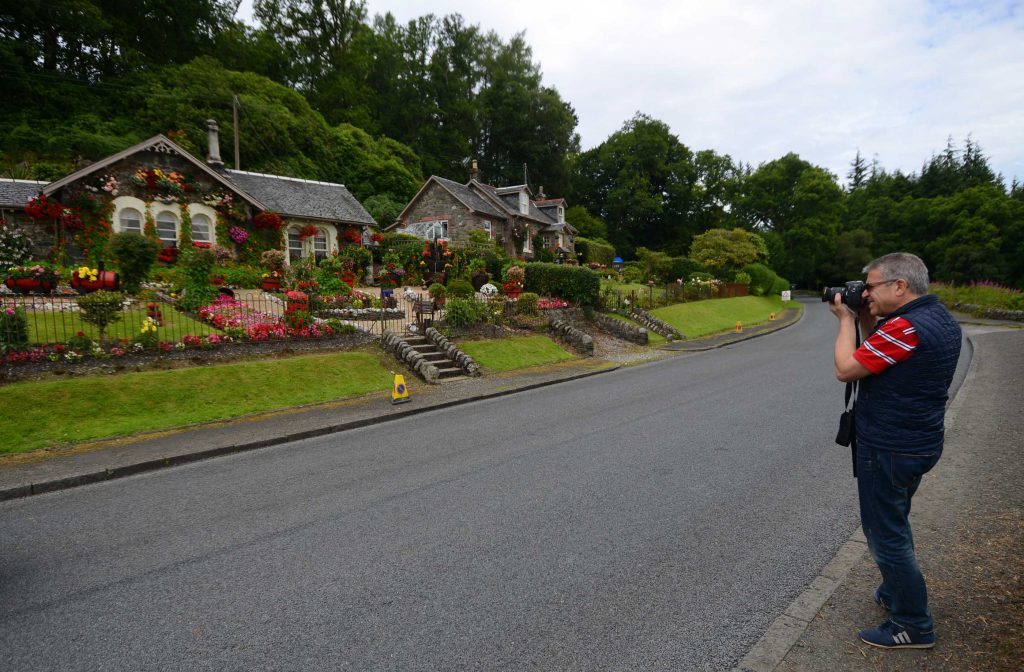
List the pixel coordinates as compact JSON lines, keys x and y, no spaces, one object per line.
{"x":86,"y":273}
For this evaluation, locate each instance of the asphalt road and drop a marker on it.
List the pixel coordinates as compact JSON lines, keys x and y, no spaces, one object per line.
{"x":657,"y":517}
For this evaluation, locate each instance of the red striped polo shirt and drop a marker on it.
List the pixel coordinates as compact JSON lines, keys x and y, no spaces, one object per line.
{"x":892,"y":343}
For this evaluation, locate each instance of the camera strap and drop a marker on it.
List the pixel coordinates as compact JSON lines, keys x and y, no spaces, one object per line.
{"x":851,"y":393}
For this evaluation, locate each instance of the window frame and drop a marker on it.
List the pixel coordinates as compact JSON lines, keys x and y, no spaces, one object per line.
{"x":121,"y":217}
{"x":210,"y":237}
{"x":168,"y":216}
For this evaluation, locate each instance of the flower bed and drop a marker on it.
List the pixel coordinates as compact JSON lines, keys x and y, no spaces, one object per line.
{"x":552,"y":304}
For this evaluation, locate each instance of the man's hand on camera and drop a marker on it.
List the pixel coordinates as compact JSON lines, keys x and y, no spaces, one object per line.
{"x":840,"y":309}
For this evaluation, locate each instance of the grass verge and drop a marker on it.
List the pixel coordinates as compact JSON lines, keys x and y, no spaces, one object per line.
{"x":520,"y":352}
{"x":44,"y":414}
{"x":702,"y":318}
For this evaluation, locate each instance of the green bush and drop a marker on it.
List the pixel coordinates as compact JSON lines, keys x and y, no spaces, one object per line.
{"x":527,"y":304}
{"x":248,"y":277}
{"x":197,"y":266}
{"x":595,"y":250}
{"x":762,"y":279}
{"x":465,"y":312}
{"x":135,"y":256}
{"x":633,"y":275}
{"x":13,"y":329}
{"x":684,"y":267}
{"x":438,"y":291}
{"x":779,"y":286}
{"x":572,"y":283}
{"x":100,"y":309}
{"x":460,"y":289}
{"x":741,"y":278}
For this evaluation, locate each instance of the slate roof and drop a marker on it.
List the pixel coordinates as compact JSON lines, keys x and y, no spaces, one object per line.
{"x":293,"y":197}
{"x":512,"y":202}
{"x":469,"y":197}
{"x":16,"y":193}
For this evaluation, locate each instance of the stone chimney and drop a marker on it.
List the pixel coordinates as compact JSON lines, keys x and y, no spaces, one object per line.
{"x":474,"y":172}
{"x":213,"y":140}
{"x":540,"y":193}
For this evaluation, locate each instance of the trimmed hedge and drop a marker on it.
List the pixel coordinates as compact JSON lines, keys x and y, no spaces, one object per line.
{"x":764,"y":281}
{"x":595,"y":251}
{"x":572,"y":283}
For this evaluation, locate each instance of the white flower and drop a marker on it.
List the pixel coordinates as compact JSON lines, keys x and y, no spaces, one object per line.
{"x":489,"y":290}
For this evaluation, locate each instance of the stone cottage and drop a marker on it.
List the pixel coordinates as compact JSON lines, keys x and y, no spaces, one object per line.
{"x":446,"y":210}
{"x":156,"y":184}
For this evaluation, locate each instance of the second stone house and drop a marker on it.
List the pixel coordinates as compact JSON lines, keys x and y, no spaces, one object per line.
{"x":445,"y":210}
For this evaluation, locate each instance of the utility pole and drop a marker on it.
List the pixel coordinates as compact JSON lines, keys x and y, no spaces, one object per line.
{"x":234,"y":109}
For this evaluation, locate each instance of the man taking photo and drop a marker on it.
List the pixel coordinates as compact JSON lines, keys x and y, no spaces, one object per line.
{"x":903,"y":369}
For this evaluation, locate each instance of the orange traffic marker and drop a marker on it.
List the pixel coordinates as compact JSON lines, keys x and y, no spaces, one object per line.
{"x":739,"y":327}
{"x":772,"y":316}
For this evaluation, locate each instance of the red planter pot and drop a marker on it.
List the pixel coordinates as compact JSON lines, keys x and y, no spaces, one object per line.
{"x":271,"y":284}
{"x":513,"y":293}
{"x":27,"y":285}
{"x":349,"y":279}
{"x":107,"y":280}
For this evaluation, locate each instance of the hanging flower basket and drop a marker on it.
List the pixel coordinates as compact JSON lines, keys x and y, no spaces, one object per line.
{"x":268,"y":220}
{"x":308,"y":231}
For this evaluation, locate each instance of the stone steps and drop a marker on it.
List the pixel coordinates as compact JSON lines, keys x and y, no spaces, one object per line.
{"x":446,"y":368}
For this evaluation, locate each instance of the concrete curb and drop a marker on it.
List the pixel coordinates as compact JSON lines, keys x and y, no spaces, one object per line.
{"x":120,"y":471}
{"x":730,"y":339}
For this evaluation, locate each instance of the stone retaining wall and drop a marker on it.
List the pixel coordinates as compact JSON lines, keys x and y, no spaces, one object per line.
{"x":654,"y":324}
{"x":397,"y":346}
{"x":576,"y":339}
{"x":620,"y":329}
{"x":452,"y":352}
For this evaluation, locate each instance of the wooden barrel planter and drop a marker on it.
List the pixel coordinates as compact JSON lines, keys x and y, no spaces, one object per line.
{"x":28,"y":286}
{"x":106,"y":280}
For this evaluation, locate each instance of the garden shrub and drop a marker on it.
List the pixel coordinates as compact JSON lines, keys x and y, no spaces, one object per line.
{"x":15,"y":247}
{"x":13,"y":329}
{"x":632,"y":274}
{"x":741,"y":278}
{"x":135,"y":256}
{"x":248,"y":277}
{"x":761,"y":278}
{"x":684,"y":267}
{"x":100,"y":309}
{"x":572,"y":283}
{"x":465,"y":312}
{"x":779,"y":285}
{"x":527,"y":304}
{"x":460,"y":289}
{"x":197,"y":265}
{"x":438,"y":291}
{"x":595,"y":250}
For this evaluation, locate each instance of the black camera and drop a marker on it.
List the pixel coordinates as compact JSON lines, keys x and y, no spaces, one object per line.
{"x":852,"y":294}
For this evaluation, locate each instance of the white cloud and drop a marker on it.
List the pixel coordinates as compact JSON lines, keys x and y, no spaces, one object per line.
{"x":756,"y":79}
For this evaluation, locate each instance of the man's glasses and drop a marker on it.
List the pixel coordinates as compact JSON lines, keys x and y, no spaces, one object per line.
{"x":871,"y":286}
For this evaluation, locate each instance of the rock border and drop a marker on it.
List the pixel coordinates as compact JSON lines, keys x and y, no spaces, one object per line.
{"x":452,"y":352}
{"x":622,"y":330}
{"x":654,"y":324}
{"x":577,"y":340}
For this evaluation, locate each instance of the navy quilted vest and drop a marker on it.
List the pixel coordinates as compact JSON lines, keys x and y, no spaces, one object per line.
{"x":903,"y":408}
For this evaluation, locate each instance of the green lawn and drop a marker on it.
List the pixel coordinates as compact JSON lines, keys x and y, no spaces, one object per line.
{"x":43,"y":414}
{"x":506,"y":354}
{"x":46,"y":327}
{"x":701,"y":318}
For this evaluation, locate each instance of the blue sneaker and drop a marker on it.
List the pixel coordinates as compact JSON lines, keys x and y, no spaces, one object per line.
{"x":891,"y":636}
{"x":879,"y":601}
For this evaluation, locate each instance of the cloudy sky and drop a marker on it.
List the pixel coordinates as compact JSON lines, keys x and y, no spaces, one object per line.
{"x":756,"y":79}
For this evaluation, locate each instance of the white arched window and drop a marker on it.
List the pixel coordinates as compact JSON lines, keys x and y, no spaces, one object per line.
{"x":294,"y":245}
{"x":320,"y":244}
{"x":130,"y":221}
{"x":202,"y":230}
{"x":167,"y":228}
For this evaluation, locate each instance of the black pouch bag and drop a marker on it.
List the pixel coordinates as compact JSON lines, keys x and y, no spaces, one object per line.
{"x":846,"y":433}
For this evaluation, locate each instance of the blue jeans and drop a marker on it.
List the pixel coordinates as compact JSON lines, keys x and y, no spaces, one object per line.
{"x":886,"y":482}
